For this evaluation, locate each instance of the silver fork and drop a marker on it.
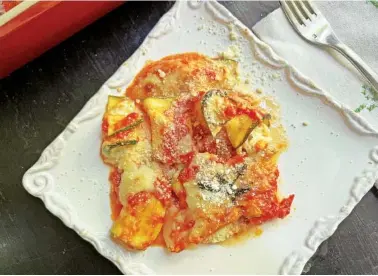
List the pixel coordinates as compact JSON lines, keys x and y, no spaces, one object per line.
{"x":311,"y":25}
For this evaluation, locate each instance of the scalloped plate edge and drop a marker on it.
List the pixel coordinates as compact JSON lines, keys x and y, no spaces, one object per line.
{"x":323,"y":227}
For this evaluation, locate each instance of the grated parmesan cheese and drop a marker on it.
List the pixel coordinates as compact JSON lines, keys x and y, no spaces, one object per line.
{"x":231,"y":52}
{"x":162,"y":74}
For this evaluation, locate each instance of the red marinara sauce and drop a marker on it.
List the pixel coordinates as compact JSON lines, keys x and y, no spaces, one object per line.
{"x":128,"y":120}
{"x":115,"y":180}
{"x":187,"y":174}
{"x":186,"y":122}
{"x":232,"y":111}
{"x":267,"y":202}
{"x":105,"y":126}
{"x":163,"y":191}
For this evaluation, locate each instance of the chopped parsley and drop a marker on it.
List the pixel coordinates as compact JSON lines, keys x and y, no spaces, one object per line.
{"x":360,"y":108}
{"x":374,"y":2}
{"x":370,"y":95}
{"x":372,"y":107}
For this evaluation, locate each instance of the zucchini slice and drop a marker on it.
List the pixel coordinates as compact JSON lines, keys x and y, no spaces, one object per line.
{"x":107,"y":148}
{"x":156,"y":106}
{"x":266,"y":119}
{"x":131,"y":126}
{"x":239,"y":128}
{"x":138,"y":226}
{"x":113,"y":101}
{"x":212,"y":105}
{"x":117,"y":109}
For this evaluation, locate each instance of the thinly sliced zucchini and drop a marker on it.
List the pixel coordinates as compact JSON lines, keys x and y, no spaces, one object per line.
{"x":107,"y":148}
{"x":131,"y":126}
{"x":266,"y":119}
{"x":212,"y":109}
{"x":155,"y":106}
{"x":117,"y":109}
{"x":138,"y":226}
{"x":113,"y":101}
{"x":239,"y":128}
{"x":226,"y":232}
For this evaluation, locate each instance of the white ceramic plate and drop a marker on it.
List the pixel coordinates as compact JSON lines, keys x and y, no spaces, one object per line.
{"x":330,"y":164}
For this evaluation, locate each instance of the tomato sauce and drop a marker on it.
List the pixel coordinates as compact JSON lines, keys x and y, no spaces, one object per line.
{"x":159,"y":241}
{"x":128,"y":120}
{"x":237,"y":159}
{"x":203,"y":139}
{"x":211,"y":75}
{"x":138,"y":198}
{"x":105,"y":126}
{"x":172,"y":136}
{"x":269,"y":205}
{"x":148,"y":88}
{"x":181,"y":195}
{"x":187,"y":174}
{"x":186,"y":159}
{"x":115,"y":180}
{"x":232,"y":111}
{"x":121,"y":135}
{"x":163,"y":191}
{"x":252,"y":207}
{"x":176,"y":235}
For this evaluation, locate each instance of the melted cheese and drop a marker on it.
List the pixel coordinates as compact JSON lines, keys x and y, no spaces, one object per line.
{"x":119,"y":111}
{"x":225,"y":232}
{"x":184,"y":73}
{"x":213,"y":190}
{"x":185,"y":145}
{"x":260,"y":134}
{"x":215,"y":194}
{"x":136,"y":179}
{"x":123,"y":108}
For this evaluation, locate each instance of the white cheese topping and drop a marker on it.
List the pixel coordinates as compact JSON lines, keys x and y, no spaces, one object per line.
{"x":231,"y":52}
{"x":213,"y":184}
{"x":136,"y":179}
{"x":123,"y":108}
{"x":162,"y":74}
{"x":259,"y":134}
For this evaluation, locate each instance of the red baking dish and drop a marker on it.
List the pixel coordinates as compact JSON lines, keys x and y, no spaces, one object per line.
{"x":30,"y":28}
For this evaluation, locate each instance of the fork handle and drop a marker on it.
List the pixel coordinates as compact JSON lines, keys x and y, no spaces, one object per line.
{"x":361,"y":66}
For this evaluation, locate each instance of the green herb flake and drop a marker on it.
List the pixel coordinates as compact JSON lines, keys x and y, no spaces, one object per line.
{"x":372,"y":107}
{"x":370,"y":95}
{"x":374,"y":2}
{"x":129,"y":127}
{"x":109,"y":147}
{"x":360,"y":108}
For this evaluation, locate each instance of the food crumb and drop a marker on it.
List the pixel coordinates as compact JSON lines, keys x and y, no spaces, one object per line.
{"x":258,"y":91}
{"x":161,"y":73}
{"x":232,"y":52}
{"x":233,"y":35}
{"x":305,"y":123}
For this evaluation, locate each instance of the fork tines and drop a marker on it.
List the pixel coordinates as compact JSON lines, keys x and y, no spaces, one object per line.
{"x":299,"y":11}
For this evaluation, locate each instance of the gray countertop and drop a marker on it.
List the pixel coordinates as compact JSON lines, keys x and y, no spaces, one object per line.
{"x":38,"y":100}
